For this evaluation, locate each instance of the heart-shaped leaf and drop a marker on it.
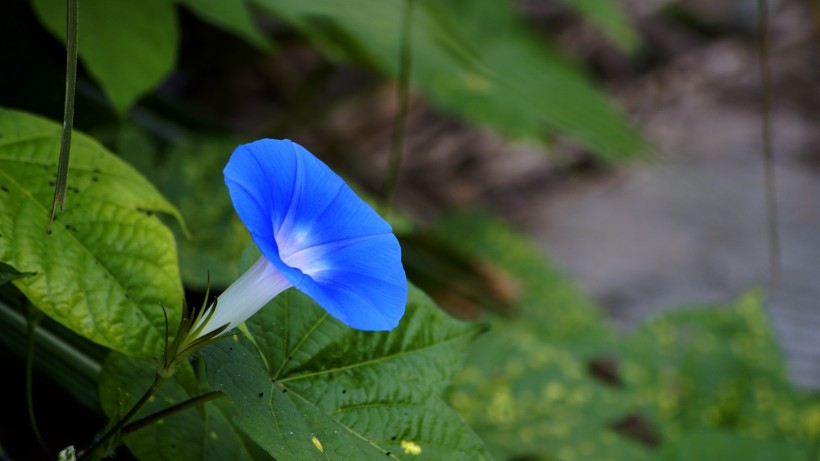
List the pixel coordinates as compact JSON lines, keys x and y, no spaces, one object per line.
{"x":108,"y":265}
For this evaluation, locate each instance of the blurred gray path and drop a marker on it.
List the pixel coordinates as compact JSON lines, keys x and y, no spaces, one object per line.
{"x":691,"y":227}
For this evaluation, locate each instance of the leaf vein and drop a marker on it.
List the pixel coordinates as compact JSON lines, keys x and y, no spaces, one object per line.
{"x":378,"y":359}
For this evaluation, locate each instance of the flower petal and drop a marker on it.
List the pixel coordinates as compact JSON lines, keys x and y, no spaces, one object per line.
{"x":323,"y":238}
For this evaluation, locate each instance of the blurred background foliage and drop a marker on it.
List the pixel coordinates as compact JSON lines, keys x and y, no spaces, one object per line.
{"x":556,"y":383}
{"x":173,"y":86}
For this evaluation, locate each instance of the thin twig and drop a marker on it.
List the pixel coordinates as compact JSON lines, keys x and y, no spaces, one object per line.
{"x":768,"y":152}
{"x":115,"y":431}
{"x":402,"y":97}
{"x":72,"y":12}
{"x":166,"y":412}
{"x":33,"y":319}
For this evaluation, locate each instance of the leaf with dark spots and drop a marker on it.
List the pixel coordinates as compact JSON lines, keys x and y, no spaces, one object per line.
{"x":87,"y":278}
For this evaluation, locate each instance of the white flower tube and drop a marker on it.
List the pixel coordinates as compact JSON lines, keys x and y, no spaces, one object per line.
{"x":246,"y":295}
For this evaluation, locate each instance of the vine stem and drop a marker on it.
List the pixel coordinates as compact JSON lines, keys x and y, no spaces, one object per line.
{"x":72,"y":28}
{"x":33,"y":319}
{"x":117,"y":429}
{"x":164,"y":413}
{"x":402,"y":97}
{"x":768,"y":151}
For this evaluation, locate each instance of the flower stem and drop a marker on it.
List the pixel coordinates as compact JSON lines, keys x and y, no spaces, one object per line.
{"x":164,"y":413}
{"x":72,"y":28}
{"x":33,"y":319}
{"x":768,"y":152}
{"x":402,"y":99}
{"x":117,"y":429}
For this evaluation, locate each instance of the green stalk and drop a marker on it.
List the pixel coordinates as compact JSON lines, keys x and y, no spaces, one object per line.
{"x":173,"y":409}
{"x":115,"y":431}
{"x":72,"y":28}
{"x":768,"y":151}
{"x":402,"y":97}
{"x":34,"y":317}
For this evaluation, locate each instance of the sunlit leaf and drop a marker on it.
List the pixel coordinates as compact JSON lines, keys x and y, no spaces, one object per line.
{"x":527,"y":398}
{"x":128,"y":47}
{"x":109,"y":264}
{"x":717,"y":367}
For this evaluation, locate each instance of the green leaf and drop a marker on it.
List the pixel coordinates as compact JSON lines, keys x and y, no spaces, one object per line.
{"x":127,"y":47}
{"x":527,"y":398}
{"x":609,"y":16}
{"x":202,"y":433}
{"x":313,"y":388}
{"x":714,"y":378}
{"x":9,"y":273}
{"x":716,"y":367}
{"x":109,"y":264}
{"x":474,"y":59}
{"x":232,"y":16}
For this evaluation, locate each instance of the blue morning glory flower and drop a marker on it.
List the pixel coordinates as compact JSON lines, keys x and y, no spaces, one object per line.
{"x":315,"y":234}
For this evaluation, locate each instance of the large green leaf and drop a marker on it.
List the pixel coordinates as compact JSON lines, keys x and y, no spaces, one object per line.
{"x":714,"y":378}
{"x":474,"y":59}
{"x":702,"y":367}
{"x":528,"y":399}
{"x":202,"y":433}
{"x":313,"y":388}
{"x":109,"y":264}
{"x":717,"y":368}
{"x":128,"y":47}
